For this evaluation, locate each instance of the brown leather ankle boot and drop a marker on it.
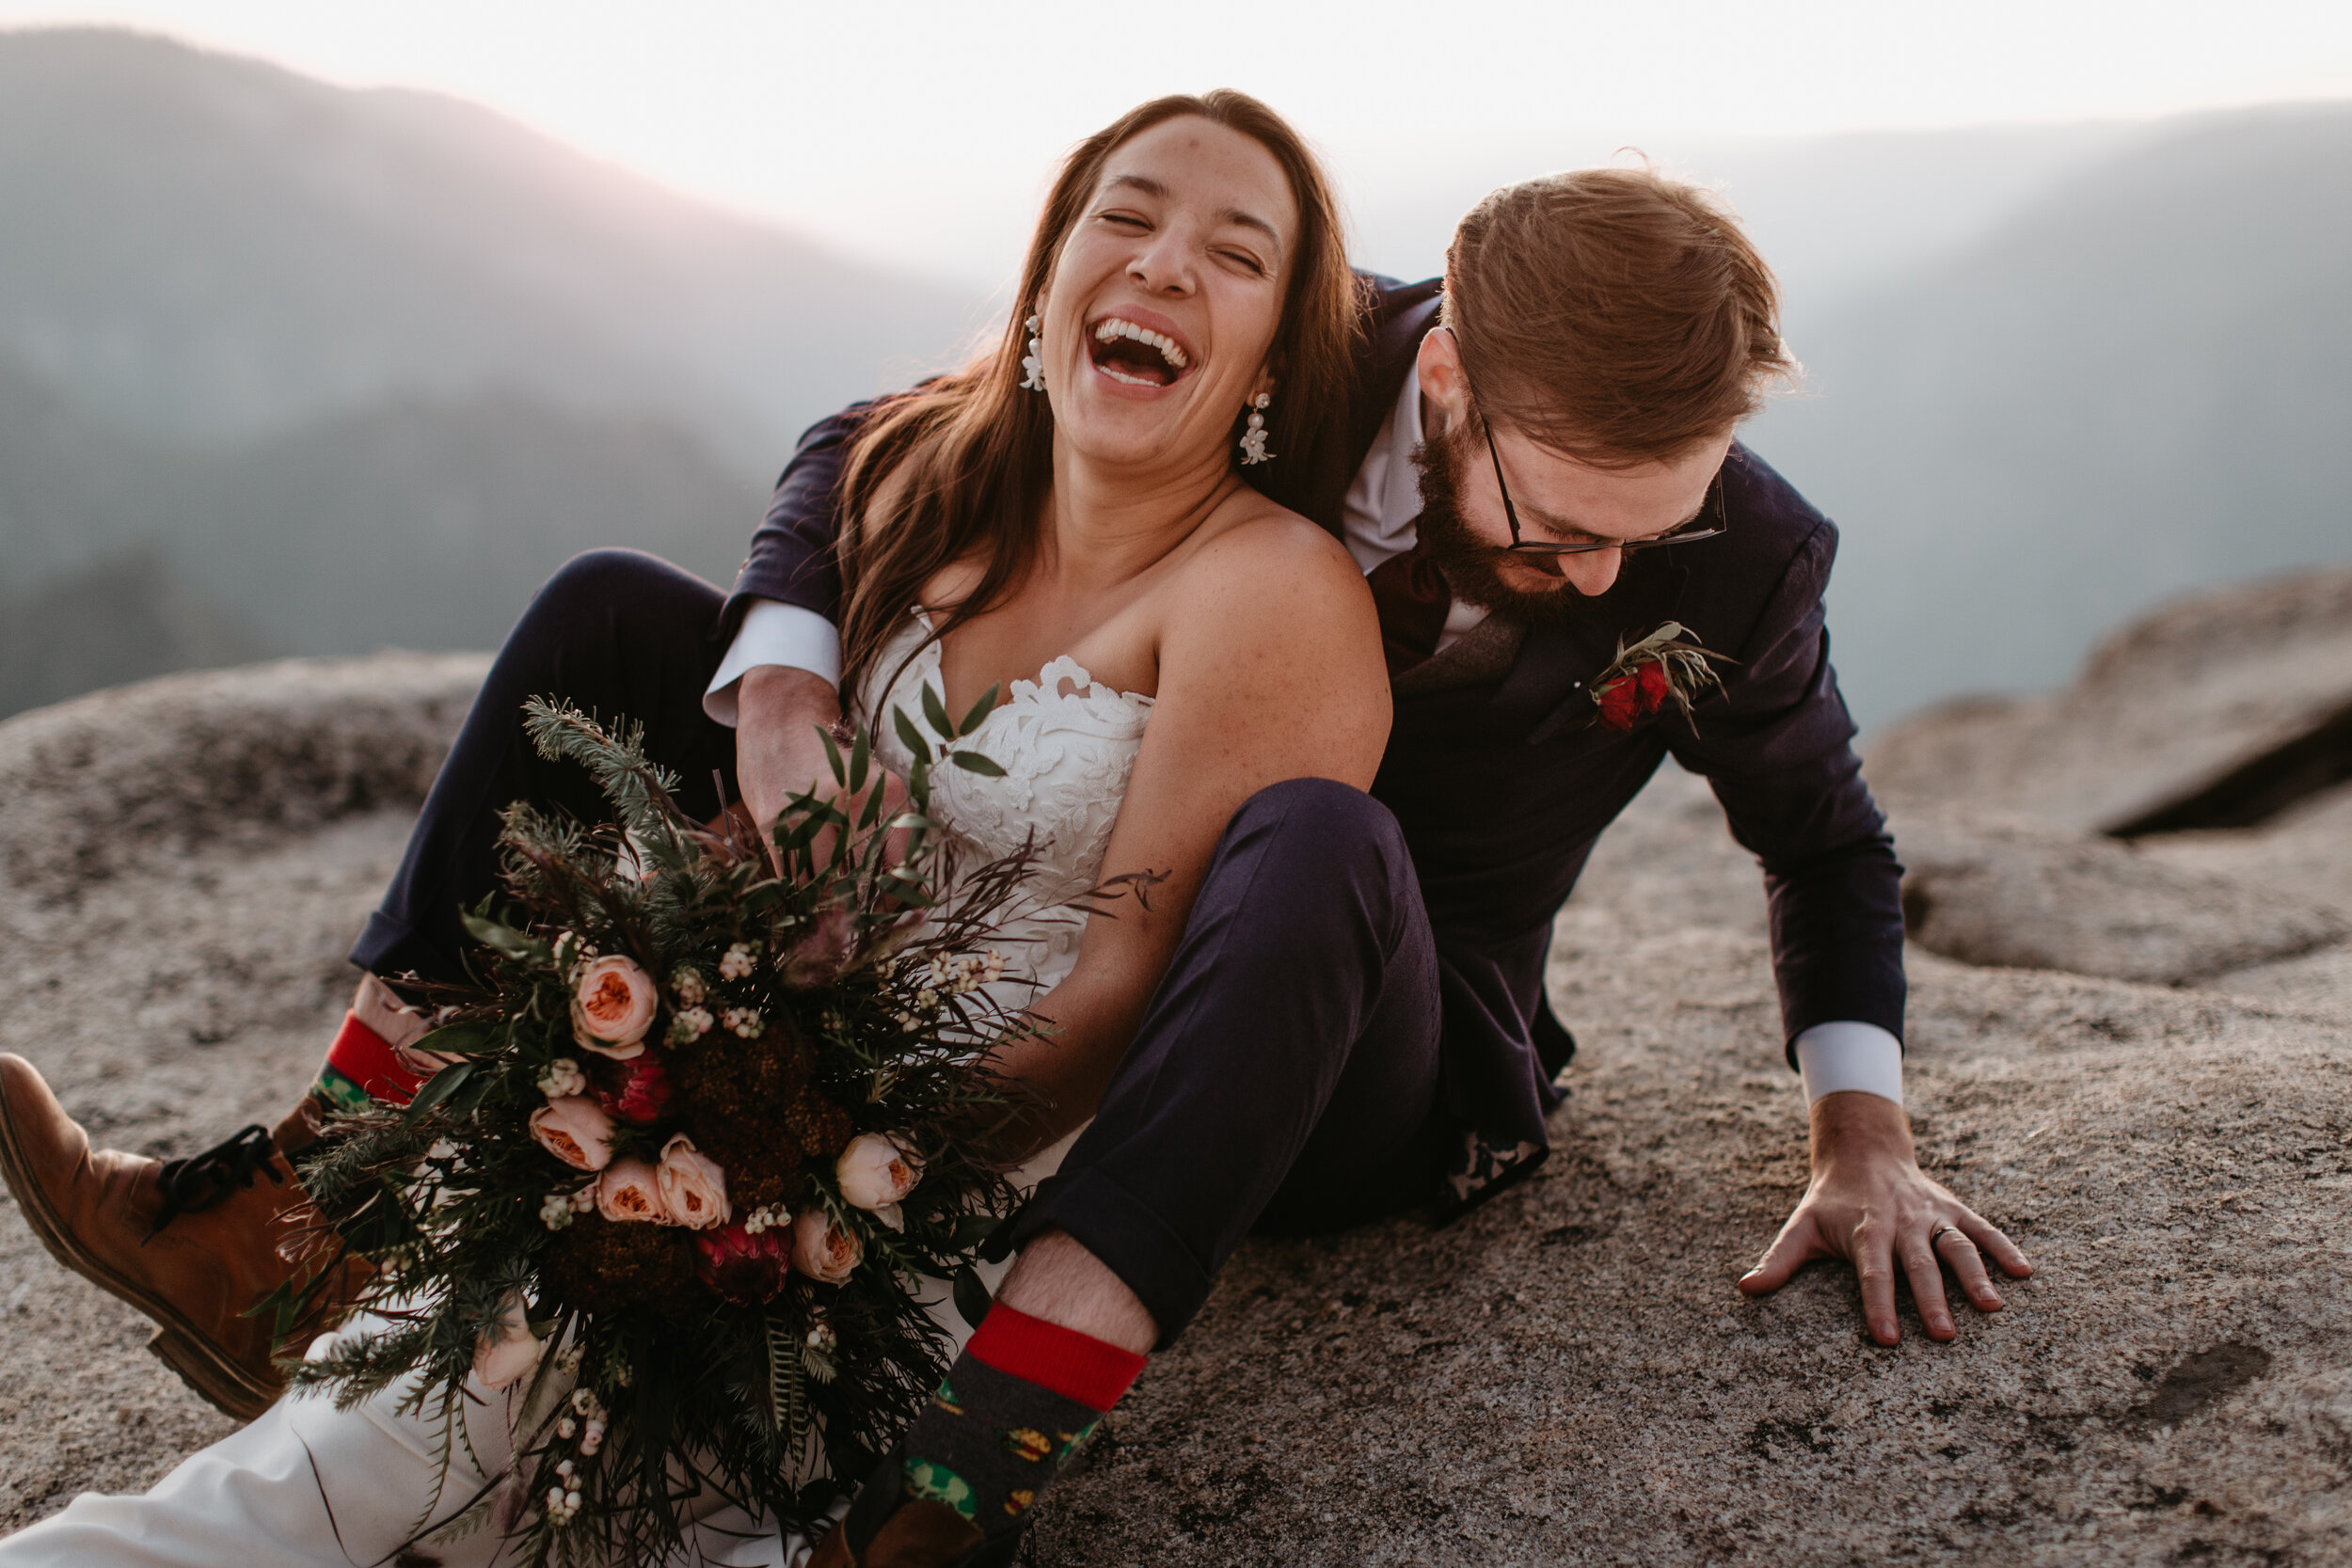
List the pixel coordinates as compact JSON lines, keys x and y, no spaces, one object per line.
{"x":193,"y":1244}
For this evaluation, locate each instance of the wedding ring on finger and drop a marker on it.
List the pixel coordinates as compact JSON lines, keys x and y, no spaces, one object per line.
{"x":1935,"y":1237}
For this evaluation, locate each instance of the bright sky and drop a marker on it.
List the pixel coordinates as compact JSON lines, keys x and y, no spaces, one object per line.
{"x":922,"y":129}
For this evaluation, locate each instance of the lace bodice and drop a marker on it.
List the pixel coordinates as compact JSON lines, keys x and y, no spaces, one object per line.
{"x":1067,"y":747}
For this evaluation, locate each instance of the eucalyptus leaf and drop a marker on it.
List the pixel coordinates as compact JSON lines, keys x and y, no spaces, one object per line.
{"x":935,"y":713}
{"x":861,"y":756}
{"x":980,"y":710}
{"x":833,"y":755}
{"x":439,"y":1087}
{"x":973,"y":1230}
{"x":912,"y":736}
{"x":972,"y":1297}
{"x":462,"y":1039}
{"x":500,"y":937}
{"x":973,"y":762}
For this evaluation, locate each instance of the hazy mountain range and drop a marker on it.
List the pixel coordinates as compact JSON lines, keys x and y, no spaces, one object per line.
{"x":290,"y":367}
{"x":286,"y":367}
{"x":2134,"y":388}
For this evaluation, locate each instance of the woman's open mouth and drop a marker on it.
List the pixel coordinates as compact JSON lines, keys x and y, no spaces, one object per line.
{"x":1135,"y":355}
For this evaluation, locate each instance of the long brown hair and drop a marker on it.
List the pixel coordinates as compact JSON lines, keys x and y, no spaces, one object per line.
{"x":978,"y":451}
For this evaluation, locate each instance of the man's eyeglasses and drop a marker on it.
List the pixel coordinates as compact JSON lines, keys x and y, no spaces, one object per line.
{"x":1706,"y":525}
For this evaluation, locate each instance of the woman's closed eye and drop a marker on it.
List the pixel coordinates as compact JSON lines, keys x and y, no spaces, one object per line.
{"x":1247,"y":260}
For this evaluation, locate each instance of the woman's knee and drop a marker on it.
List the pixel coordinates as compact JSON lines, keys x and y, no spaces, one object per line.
{"x":1332,"y":832}
{"x":1324,"y":812}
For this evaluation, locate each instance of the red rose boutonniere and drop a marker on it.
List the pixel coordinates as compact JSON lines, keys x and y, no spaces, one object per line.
{"x":1661,"y":668}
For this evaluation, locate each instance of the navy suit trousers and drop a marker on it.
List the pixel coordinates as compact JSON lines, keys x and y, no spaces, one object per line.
{"x":1284,"y":1078}
{"x":620,"y":634}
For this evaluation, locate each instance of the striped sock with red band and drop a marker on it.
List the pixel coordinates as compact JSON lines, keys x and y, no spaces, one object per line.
{"x":1060,"y":1360}
{"x":1016,"y":1404}
{"x":363,"y":1068}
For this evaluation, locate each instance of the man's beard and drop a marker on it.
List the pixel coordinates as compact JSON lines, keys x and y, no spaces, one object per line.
{"x":1469,"y":564}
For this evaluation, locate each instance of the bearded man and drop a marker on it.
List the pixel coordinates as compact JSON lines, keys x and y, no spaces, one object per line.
{"x":1542,"y":475}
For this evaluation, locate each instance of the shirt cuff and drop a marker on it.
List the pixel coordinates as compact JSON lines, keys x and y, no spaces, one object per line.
{"x":773,"y":632}
{"x":1835,"y":1057}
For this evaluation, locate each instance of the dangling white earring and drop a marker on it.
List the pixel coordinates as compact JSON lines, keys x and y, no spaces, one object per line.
{"x":1253,"y":439}
{"x":1033,"y":367}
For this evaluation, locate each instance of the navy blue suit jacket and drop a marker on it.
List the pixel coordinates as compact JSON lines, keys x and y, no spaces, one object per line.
{"x":1501,"y":791}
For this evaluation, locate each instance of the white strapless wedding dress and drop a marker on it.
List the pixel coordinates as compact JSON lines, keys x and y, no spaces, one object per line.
{"x":309,"y":1485}
{"x":1067,"y":747}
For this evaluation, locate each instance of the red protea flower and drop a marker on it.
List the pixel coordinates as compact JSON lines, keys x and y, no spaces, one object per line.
{"x":635,"y":1091}
{"x":745,"y":1267}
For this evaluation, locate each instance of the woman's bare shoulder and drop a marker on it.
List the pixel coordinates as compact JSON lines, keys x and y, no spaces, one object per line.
{"x":1270,"y":662}
{"x":1271,"y":551}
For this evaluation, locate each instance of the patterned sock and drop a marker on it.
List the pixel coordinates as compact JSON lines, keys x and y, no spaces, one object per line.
{"x":362,"y":1068}
{"x":1018,"y":1401}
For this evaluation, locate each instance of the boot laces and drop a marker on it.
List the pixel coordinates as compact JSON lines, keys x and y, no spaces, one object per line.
{"x":203,"y":1180}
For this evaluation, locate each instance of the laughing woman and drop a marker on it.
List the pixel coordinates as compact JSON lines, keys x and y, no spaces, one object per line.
{"x":1068,"y":521}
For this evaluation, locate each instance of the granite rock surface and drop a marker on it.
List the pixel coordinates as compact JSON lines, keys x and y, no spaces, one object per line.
{"x":1567,"y":1376}
{"x":2018,"y":893}
{"x":2173,"y":699}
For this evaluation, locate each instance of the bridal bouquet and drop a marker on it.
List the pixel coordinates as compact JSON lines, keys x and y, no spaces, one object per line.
{"x":705,"y":1131}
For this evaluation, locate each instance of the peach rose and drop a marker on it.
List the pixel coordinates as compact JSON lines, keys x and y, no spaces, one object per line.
{"x":576,"y":1131}
{"x":630,"y":1190}
{"x":823,"y":1250}
{"x":506,"y":1354}
{"x":613,"y":1006}
{"x":693,"y":1188}
{"x":875,"y":1172}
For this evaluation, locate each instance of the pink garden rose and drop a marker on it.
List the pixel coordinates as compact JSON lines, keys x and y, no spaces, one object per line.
{"x":630,"y":1190}
{"x":823,"y":1250}
{"x":693,"y":1188}
{"x":576,"y":1131}
{"x":613,"y":1006}
{"x":875,"y":1172}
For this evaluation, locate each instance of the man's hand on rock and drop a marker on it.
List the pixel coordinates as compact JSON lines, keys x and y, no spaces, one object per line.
{"x":1871,"y":1204}
{"x":780,"y":753}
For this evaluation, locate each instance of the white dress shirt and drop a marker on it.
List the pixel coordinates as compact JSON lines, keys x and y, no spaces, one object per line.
{"x":1376,"y":522}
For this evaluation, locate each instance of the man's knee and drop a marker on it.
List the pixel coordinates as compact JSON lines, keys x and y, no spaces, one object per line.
{"x":606,"y":604}
{"x":612,"y":580}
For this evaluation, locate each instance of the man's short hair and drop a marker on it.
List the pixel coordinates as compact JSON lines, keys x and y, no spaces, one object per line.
{"x":1612,"y":314}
